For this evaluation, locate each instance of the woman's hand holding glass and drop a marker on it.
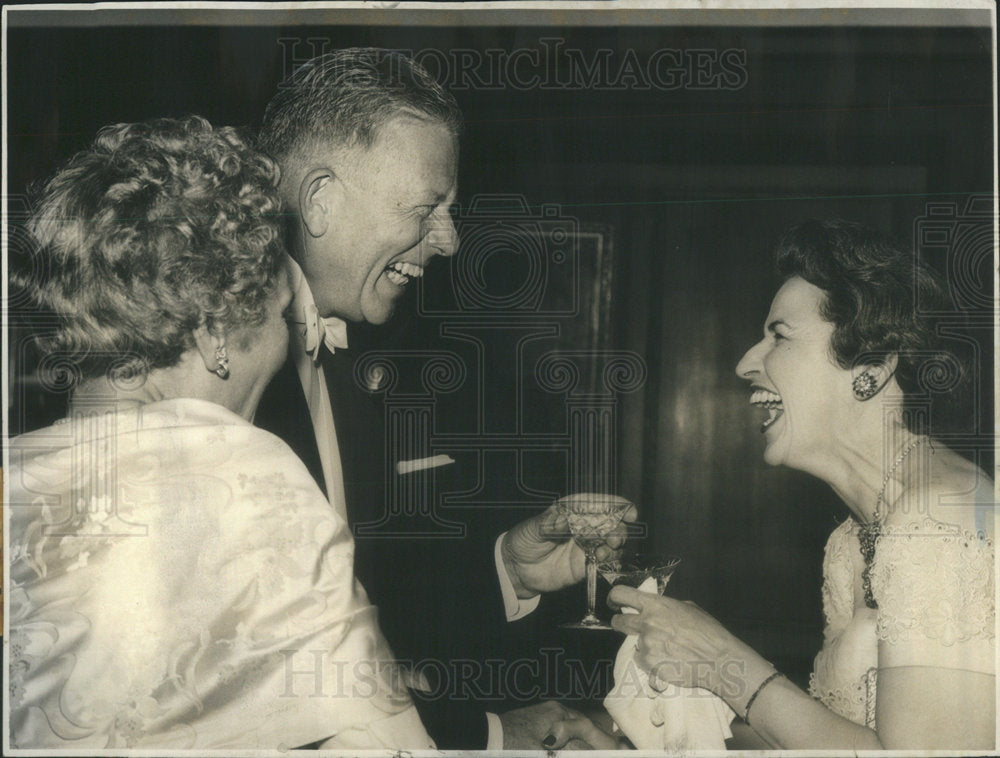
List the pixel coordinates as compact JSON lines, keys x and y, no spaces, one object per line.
{"x":681,"y":644}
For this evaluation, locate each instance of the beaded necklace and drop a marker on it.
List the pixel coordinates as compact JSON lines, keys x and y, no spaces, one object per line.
{"x":869,"y":533}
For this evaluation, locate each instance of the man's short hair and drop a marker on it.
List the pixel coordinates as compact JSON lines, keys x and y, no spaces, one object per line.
{"x":343,"y":98}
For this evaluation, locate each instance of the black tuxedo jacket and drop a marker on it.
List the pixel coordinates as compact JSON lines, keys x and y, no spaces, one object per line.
{"x":439,"y":600}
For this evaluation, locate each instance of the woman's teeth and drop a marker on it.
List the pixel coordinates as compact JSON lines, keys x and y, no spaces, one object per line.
{"x":400,"y":274}
{"x":773,"y":414}
{"x":770,"y":401}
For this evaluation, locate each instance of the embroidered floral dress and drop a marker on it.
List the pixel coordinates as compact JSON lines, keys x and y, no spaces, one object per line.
{"x":933,"y":584}
{"x":178,"y":581}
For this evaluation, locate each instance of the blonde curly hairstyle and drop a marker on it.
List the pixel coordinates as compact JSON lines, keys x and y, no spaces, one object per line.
{"x":157,"y":228}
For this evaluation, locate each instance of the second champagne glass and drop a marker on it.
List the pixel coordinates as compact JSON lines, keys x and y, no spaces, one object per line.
{"x":632,"y":569}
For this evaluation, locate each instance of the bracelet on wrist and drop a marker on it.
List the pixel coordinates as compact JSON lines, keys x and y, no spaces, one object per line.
{"x":762,"y":685}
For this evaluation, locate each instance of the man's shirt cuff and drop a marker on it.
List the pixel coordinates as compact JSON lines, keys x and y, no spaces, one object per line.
{"x":513,"y":606}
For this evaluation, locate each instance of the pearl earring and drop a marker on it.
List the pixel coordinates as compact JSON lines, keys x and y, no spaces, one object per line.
{"x":222,"y":369}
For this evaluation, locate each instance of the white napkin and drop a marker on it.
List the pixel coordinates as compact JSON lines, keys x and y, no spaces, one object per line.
{"x":679,"y":718}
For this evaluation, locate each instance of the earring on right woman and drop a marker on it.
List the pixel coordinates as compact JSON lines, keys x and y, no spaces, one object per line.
{"x":865,"y":387}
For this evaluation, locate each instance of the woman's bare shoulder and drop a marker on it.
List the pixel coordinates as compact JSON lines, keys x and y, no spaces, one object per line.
{"x":951,"y":490}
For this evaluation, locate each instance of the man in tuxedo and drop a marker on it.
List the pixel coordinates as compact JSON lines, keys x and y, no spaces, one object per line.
{"x":367,"y":143}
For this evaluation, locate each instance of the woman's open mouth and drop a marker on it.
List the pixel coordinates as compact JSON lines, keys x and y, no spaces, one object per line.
{"x":771,"y":402}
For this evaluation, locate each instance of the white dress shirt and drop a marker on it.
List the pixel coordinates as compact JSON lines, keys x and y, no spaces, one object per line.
{"x":308,"y":334}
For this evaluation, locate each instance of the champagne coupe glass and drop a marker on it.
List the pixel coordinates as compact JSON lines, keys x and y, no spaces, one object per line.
{"x":632,"y":569}
{"x":591,"y":518}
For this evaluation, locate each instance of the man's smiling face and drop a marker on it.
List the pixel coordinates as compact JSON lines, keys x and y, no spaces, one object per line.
{"x":389,"y":216}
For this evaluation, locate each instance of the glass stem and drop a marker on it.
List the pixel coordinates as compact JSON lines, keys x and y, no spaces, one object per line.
{"x":591,"y":586}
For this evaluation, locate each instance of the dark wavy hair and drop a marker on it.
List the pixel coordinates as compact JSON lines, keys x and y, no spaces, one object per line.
{"x":344,"y":97}
{"x":155,"y":229}
{"x":878,"y":297}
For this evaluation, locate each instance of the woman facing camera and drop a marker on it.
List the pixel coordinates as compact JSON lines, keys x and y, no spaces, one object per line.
{"x":176,"y":579}
{"x":909,"y":652}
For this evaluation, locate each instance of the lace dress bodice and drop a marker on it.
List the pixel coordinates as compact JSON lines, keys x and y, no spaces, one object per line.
{"x":934,"y":587}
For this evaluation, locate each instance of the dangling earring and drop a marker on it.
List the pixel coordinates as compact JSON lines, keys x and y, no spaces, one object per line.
{"x":865,"y":387}
{"x":222,"y":369}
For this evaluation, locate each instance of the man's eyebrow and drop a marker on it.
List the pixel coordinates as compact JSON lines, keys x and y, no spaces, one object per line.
{"x":420,"y":201}
{"x":436,"y":200}
{"x":776,"y":323}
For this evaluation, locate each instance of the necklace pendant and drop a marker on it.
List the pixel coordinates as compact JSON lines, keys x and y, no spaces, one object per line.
{"x":867,"y":536}
{"x":866,"y":584}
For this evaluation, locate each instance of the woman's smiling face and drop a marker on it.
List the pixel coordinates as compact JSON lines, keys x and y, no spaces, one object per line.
{"x":794,"y":376}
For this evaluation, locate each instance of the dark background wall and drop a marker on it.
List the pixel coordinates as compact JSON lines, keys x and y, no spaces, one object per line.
{"x":688,"y":187}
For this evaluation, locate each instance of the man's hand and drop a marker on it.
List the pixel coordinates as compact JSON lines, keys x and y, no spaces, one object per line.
{"x":549,"y":726}
{"x":541,"y":556}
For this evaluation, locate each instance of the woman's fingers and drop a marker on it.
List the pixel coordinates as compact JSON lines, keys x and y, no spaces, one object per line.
{"x":626,"y":623}
{"x":621,"y":595}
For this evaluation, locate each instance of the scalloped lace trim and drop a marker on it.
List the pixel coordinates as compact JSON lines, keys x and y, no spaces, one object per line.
{"x":942,"y":590}
{"x":855,"y":702}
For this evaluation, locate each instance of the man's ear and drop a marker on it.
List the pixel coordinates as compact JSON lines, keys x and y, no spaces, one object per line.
{"x":316,"y":200}
{"x":208,"y":345}
{"x":869,"y":378}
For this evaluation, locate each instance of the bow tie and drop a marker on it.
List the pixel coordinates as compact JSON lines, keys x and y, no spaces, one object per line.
{"x":316,"y":330}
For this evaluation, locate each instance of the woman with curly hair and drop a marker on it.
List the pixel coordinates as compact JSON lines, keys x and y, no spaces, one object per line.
{"x":908,"y":659}
{"x":177,"y":580}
